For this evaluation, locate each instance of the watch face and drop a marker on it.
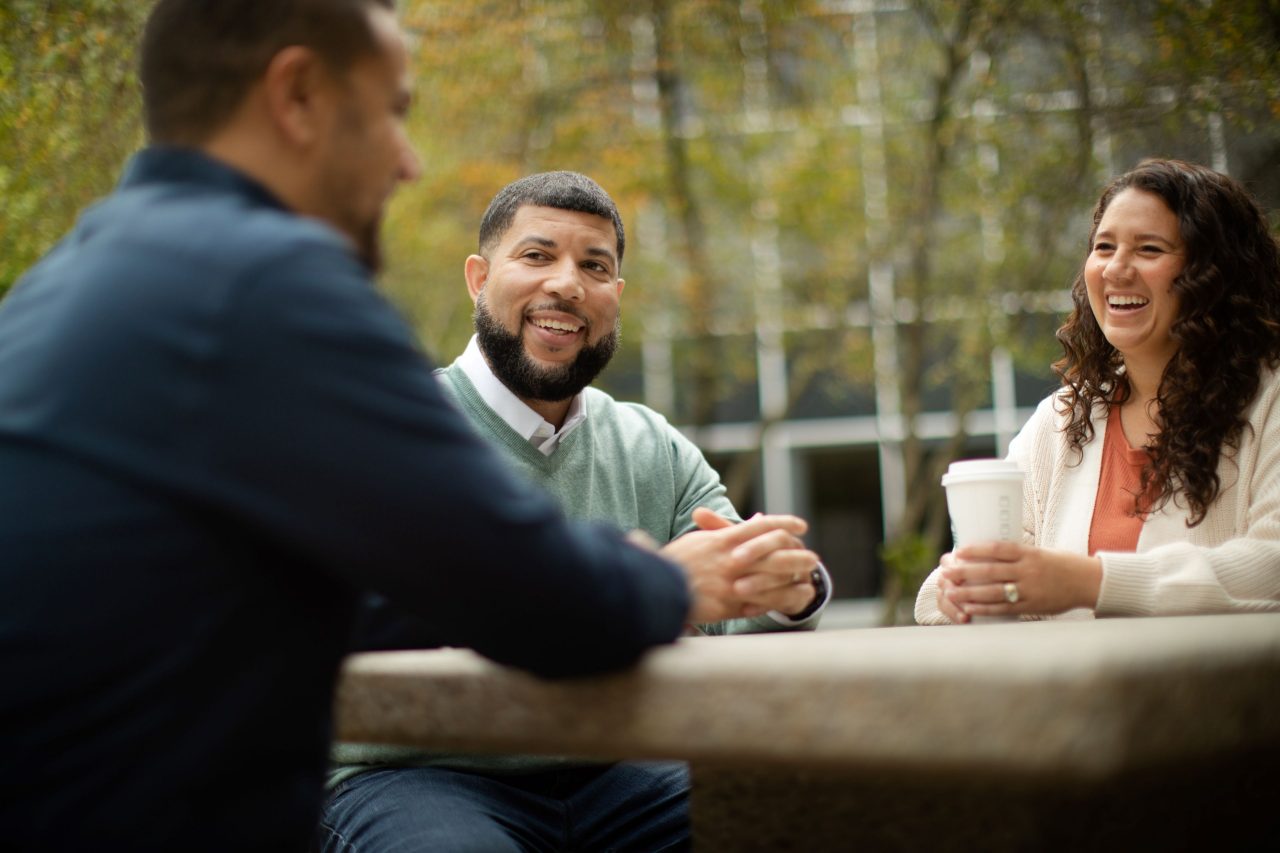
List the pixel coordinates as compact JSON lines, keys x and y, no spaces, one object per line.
{"x":818,"y":580}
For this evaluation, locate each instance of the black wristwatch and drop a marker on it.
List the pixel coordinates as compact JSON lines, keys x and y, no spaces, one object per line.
{"x":818,"y":578}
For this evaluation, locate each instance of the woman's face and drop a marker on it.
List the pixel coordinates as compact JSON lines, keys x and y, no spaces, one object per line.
{"x":1136,"y":255}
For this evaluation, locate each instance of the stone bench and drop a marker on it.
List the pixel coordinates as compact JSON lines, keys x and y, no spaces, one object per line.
{"x":1049,"y":735}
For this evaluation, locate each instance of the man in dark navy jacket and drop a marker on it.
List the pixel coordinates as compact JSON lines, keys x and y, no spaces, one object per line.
{"x":214,"y":433}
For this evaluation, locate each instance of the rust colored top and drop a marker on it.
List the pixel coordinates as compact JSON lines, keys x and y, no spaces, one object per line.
{"x":1116,"y":524}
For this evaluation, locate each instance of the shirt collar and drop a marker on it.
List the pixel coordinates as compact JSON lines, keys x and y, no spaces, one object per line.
{"x":173,"y":164}
{"x":527,"y":423}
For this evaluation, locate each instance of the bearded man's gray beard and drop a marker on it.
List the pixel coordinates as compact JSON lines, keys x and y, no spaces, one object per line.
{"x":526,"y":379}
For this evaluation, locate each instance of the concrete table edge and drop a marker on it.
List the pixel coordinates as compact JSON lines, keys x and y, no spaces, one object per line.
{"x":1086,"y":699}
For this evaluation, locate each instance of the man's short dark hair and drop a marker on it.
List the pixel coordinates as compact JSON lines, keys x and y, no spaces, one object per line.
{"x":200,"y":57}
{"x":562,"y":190}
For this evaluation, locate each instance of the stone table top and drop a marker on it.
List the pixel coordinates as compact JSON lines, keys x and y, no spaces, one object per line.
{"x":1085,"y":699}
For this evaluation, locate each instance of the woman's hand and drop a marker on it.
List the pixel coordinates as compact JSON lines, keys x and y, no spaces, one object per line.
{"x":1003,"y":578}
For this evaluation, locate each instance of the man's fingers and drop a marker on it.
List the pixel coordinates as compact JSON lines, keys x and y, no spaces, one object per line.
{"x":764,"y":591}
{"x":754,"y":527}
{"x":759,"y":524}
{"x":779,"y":570}
{"x":642,"y":539}
{"x":764,"y":546}
{"x":752,"y":587}
{"x":708,"y":519}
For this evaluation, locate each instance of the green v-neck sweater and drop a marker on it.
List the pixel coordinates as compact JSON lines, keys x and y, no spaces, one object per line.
{"x":624,"y":465}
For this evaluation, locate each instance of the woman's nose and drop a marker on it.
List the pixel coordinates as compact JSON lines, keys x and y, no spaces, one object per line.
{"x":1118,"y":267}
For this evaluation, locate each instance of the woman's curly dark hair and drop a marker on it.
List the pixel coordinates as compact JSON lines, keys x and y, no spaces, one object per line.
{"x":1227,"y":330}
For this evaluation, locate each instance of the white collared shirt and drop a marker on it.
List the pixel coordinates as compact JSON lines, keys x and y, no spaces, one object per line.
{"x":530,"y":425}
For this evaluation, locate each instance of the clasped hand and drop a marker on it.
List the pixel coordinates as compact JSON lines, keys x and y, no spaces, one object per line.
{"x":980,"y":580}
{"x":744,"y":569}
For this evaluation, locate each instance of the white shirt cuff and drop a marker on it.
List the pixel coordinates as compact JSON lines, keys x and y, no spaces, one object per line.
{"x":784,"y":619}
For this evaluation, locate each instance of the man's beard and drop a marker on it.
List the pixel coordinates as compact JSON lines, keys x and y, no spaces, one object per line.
{"x":524,"y":377}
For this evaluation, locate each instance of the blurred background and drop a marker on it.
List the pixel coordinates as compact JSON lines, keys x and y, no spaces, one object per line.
{"x":852,"y":224}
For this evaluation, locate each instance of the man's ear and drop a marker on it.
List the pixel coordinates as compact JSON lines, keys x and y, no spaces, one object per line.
{"x":476,"y":271}
{"x":297,"y":89}
{"x":621,"y":284}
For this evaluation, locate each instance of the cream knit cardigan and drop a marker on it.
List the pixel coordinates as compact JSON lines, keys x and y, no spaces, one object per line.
{"x":1230,"y":562}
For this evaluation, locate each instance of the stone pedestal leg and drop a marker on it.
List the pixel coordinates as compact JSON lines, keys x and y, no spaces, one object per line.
{"x":1213,"y":805}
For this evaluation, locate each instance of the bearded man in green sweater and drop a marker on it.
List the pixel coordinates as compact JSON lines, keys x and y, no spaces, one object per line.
{"x":546,"y":285}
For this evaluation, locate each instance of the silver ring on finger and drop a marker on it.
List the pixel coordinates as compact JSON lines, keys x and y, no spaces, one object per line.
{"x":1011,"y":592}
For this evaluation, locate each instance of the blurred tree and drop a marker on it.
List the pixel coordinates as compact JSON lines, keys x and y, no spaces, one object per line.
{"x":69,"y":116}
{"x":1222,"y":57}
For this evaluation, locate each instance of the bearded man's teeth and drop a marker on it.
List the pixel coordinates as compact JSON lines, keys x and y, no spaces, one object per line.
{"x":556,"y":325}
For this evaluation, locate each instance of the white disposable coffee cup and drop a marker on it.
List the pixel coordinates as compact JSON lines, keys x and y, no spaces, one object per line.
{"x":984,"y":499}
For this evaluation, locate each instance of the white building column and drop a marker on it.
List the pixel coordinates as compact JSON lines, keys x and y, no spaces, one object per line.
{"x":884,"y":329}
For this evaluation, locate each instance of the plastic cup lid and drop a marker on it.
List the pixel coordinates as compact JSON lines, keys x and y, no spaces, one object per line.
{"x":969,"y":470}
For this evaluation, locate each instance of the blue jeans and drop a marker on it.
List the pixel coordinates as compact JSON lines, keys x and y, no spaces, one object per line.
{"x":633,"y":806}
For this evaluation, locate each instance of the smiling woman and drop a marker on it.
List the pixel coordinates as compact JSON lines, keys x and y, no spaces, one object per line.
{"x":1201,"y":251}
{"x":1129,"y":277}
{"x":1173,"y":343}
